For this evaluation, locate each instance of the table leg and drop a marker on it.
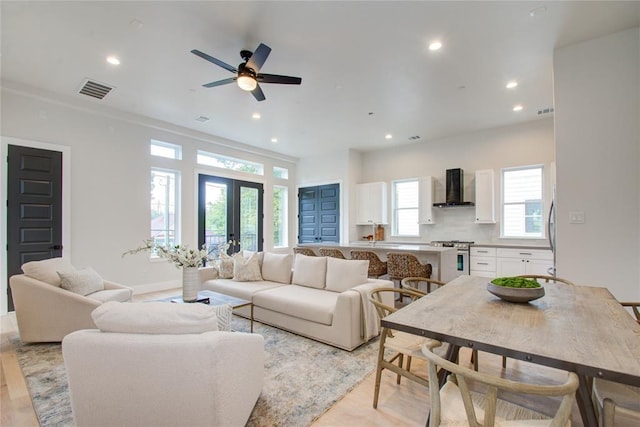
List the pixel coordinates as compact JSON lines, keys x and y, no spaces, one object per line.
{"x":452,"y":356}
{"x":585,"y":404}
{"x":251,"y":317}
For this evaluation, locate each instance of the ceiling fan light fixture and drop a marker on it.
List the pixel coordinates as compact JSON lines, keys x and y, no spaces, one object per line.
{"x":247,"y":83}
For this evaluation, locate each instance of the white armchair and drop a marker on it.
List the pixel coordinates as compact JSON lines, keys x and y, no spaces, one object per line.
{"x":163,"y":379}
{"x":46,"y":312}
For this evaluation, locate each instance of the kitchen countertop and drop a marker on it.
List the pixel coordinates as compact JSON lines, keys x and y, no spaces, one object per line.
{"x":381,"y":245}
{"x":510,"y":246}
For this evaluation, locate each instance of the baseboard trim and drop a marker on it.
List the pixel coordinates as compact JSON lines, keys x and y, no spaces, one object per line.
{"x":155,"y":287}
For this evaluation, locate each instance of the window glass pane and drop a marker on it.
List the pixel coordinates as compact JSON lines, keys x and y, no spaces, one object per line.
{"x":165,"y":149}
{"x":405,"y":215}
{"x":249,"y":219}
{"x":407,"y":222}
{"x":282,"y":173}
{"x":164,"y":196}
{"x":219,"y":161}
{"x":215,"y":217}
{"x":280,"y":223}
{"x":522,"y":202}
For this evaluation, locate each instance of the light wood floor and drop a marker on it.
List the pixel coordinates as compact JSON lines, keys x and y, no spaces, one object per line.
{"x":399,"y":405}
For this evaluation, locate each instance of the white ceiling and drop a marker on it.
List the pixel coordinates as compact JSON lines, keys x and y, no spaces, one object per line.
{"x":355,"y":58}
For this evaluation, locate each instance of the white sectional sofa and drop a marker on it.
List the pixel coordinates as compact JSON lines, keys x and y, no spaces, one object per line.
{"x":322,"y":298}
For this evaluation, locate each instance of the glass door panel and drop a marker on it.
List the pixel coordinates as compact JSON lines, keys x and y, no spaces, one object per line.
{"x":249,"y":218}
{"x":215,"y":216}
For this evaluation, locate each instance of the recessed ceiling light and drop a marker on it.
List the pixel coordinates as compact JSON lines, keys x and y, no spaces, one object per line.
{"x":256,"y":116}
{"x":435,"y":45}
{"x":388,"y":136}
{"x":517,"y":107}
{"x":512,"y":84}
{"x":113,"y":60}
{"x":274,"y":140}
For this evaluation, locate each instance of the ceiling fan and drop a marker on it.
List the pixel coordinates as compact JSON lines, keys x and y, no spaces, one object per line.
{"x":247,"y":76}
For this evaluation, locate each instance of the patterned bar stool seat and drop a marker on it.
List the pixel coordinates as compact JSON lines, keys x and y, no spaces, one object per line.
{"x":332,"y":252}
{"x":402,"y":265}
{"x":304,"y":251}
{"x":377,"y":267}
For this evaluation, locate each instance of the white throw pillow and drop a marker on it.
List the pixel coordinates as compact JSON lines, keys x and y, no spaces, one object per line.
{"x":47,"y":270}
{"x":155,"y":318}
{"x":246,"y":270}
{"x":84,"y":282}
{"x":225,"y":266}
{"x":248,"y":254}
{"x":344,"y":274}
{"x":309,"y":271}
{"x":277,"y":267}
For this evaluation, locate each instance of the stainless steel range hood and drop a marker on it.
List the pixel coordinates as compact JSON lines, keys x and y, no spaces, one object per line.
{"x":454,"y":190}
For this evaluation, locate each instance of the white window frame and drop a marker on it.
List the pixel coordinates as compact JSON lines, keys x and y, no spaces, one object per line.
{"x":503,"y":204}
{"x":167,"y":147}
{"x":396,"y":210}
{"x":284,"y":217}
{"x":207,"y":158}
{"x":176,"y":203}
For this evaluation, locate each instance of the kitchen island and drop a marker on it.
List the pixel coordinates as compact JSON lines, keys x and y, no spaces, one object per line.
{"x":443,"y":260}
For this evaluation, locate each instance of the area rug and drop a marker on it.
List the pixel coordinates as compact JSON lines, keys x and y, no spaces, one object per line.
{"x":303,"y":378}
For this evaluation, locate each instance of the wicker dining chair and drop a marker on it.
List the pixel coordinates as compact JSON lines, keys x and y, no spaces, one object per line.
{"x":377,"y":267}
{"x":332,"y":252}
{"x":304,"y":251}
{"x":414,"y":283}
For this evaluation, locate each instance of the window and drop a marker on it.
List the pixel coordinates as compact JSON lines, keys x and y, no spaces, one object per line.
{"x":220,"y":161}
{"x":165,"y":149}
{"x":281,"y":173}
{"x":164,"y":206}
{"x":405,"y":208}
{"x":280,"y":218}
{"x":522,"y":202}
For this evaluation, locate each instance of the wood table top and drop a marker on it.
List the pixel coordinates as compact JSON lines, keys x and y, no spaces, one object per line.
{"x":575,"y":328}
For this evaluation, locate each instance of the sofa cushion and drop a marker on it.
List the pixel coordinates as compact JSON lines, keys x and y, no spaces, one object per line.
{"x":47,"y":270}
{"x":84,"y":281}
{"x":155,"y":318}
{"x":244,"y":290}
{"x":309,"y":271}
{"x":120,"y":295}
{"x":277,"y":267}
{"x":344,"y":274}
{"x":246,"y":269}
{"x":315,"y":305}
{"x":225,"y":266}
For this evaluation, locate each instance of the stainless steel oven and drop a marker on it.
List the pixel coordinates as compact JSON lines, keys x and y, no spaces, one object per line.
{"x":463,"y":255}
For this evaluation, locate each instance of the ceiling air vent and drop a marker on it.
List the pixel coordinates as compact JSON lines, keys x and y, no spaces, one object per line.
{"x":545,"y":111}
{"x":95,"y":89}
{"x":414,"y":138}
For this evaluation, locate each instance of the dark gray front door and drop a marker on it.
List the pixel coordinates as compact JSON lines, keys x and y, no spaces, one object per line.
{"x":319,"y":214}
{"x":34,"y":208}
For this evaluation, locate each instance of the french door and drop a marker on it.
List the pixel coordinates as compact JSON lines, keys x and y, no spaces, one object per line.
{"x":229,"y":210}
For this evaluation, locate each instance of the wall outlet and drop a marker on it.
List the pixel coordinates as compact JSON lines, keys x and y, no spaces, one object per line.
{"x":576,"y":217}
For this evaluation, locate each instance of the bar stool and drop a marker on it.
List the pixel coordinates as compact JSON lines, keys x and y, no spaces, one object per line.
{"x":401,"y":265}
{"x":377,"y":267}
{"x":304,"y":251}
{"x":332,"y":252}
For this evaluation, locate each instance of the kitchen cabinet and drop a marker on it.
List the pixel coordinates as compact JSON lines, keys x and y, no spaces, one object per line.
{"x":515,"y":262}
{"x":371,"y":203}
{"x":485,"y":198}
{"x":426,"y":214}
{"x":482,"y":262}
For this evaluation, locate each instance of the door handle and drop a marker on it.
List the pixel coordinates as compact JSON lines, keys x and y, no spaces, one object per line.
{"x":56,"y":247}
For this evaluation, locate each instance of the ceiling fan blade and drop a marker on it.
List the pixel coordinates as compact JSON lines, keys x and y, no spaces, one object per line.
{"x":259,"y":57}
{"x":257,"y":94}
{"x":274,"y":78}
{"x":214,"y":60}
{"x":220,"y":82}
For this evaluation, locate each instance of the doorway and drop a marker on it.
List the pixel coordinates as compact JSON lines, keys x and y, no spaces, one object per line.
{"x":230,"y":210}
{"x":319,"y":214}
{"x":34,"y":208}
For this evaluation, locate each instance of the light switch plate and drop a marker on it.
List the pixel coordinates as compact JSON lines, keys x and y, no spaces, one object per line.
{"x":576,"y":217}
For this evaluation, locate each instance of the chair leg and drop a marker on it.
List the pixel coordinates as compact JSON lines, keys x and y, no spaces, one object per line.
{"x":376,"y":391}
{"x":400,"y":364}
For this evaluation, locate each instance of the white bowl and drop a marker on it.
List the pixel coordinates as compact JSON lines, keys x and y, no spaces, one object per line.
{"x":515,"y":294}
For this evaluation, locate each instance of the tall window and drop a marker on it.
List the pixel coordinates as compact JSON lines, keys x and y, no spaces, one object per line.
{"x":522,"y":202}
{"x":405,"y":208}
{"x":280,"y":219}
{"x":164,"y":206}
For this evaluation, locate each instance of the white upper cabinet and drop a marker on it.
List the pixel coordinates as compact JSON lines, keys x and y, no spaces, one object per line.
{"x":485,"y":199}
{"x":426,"y":215}
{"x":371,"y":203}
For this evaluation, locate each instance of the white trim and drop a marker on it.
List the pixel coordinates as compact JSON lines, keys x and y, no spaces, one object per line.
{"x":5,"y":141}
{"x":157,"y":287}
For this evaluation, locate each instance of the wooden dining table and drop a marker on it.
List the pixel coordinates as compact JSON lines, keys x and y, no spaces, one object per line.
{"x":575,"y":328}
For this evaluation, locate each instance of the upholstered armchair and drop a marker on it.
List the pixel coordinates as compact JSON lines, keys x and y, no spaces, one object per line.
{"x":46,"y":312}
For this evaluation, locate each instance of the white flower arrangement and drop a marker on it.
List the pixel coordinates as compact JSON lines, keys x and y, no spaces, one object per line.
{"x":180,"y":255}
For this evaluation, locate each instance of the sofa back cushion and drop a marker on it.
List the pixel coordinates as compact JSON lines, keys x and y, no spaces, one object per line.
{"x":309,"y":271}
{"x":47,"y":270}
{"x":246,"y":269}
{"x":344,"y":274}
{"x":155,"y":318}
{"x":277,"y":267}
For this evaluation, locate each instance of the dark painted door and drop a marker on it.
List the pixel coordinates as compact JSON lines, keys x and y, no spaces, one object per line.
{"x":34,"y":208}
{"x":230,"y":209}
{"x":319,"y":214}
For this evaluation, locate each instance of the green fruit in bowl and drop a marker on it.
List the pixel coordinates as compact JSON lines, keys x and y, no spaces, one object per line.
{"x":515,"y":282}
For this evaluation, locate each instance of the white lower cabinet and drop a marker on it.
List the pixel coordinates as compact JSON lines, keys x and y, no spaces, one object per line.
{"x":515,"y":262}
{"x":482,"y":262}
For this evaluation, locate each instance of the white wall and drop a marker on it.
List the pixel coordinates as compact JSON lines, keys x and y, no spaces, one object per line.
{"x":110,"y":171}
{"x":597,"y":112}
